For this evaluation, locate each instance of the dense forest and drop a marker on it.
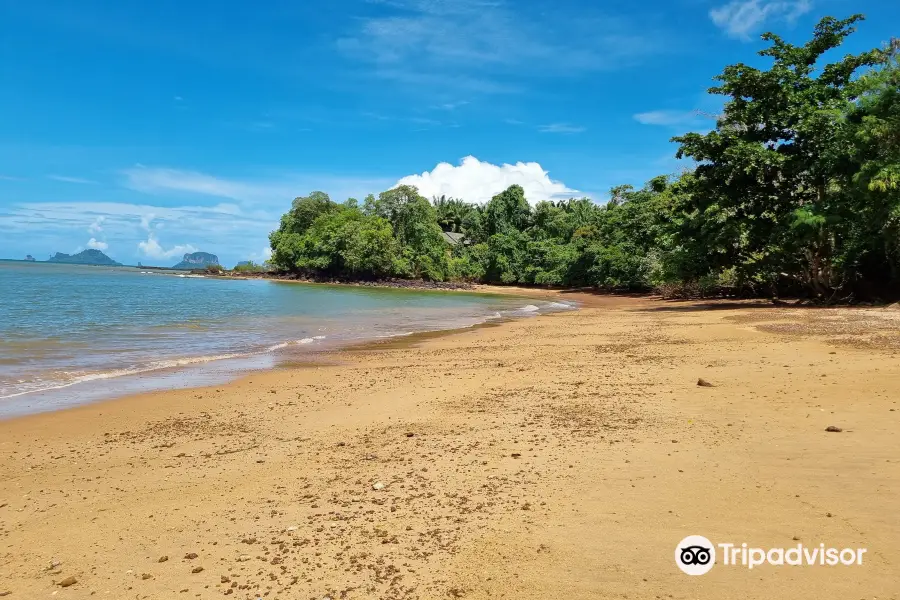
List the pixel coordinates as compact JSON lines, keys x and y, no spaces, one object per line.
{"x":795,"y":191}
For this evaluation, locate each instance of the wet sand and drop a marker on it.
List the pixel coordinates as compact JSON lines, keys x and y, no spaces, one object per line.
{"x":563,"y":456}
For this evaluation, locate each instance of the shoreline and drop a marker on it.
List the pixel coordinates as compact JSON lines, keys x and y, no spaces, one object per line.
{"x":565,"y":454}
{"x":204,"y":371}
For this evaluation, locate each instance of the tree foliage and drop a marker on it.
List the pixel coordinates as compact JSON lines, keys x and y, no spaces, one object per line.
{"x":795,"y":190}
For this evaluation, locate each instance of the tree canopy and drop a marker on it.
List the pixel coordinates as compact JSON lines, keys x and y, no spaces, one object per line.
{"x":795,"y":190}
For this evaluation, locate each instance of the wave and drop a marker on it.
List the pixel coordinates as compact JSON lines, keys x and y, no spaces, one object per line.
{"x":61,"y":380}
{"x":155,"y":366}
{"x":529,"y":309}
{"x":300,"y":342}
{"x":393,"y":335}
{"x":563,"y":305}
{"x":160,"y":365}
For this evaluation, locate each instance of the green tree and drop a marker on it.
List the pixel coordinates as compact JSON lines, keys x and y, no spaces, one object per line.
{"x":506,"y":212}
{"x":777,"y":155}
{"x":294,"y":223}
{"x":796,"y":188}
{"x":451,"y":213}
{"x":414,"y":222}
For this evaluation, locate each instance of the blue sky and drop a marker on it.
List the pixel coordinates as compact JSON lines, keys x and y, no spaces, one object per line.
{"x":149,"y":129}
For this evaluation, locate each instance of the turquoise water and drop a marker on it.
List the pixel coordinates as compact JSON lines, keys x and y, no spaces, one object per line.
{"x":71,"y":334}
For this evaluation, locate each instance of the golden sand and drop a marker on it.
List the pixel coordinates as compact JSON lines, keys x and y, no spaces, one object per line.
{"x":563,"y":456}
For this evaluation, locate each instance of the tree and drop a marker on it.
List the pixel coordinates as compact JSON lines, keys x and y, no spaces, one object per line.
{"x":506,"y":212}
{"x":414,"y":222}
{"x":777,"y":154}
{"x":294,"y":223}
{"x":368,"y":247}
{"x":451,"y":213}
{"x":796,"y":189}
{"x":507,"y":257}
{"x":874,"y":181}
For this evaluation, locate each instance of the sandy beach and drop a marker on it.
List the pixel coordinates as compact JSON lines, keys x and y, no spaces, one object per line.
{"x":563,"y":456}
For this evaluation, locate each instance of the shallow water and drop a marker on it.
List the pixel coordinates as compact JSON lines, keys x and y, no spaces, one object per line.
{"x":71,"y":334}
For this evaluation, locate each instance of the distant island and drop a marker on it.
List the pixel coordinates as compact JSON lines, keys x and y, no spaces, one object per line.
{"x":29,"y":258}
{"x":85,"y":257}
{"x":197,"y":260}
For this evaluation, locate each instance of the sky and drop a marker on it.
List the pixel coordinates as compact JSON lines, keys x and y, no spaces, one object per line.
{"x":148,"y":129}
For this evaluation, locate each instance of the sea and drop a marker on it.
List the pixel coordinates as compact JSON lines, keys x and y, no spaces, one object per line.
{"x":73,"y":334}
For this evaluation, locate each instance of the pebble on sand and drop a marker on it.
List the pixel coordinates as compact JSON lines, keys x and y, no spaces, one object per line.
{"x":163,"y":559}
{"x":833,"y":429}
{"x":68,"y":581}
{"x":704,"y":383}
{"x":190,"y":555}
{"x":378,"y":486}
{"x":197,"y":570}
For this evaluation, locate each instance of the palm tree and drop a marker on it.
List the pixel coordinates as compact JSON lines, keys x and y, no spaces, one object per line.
{"x":451,"y":212}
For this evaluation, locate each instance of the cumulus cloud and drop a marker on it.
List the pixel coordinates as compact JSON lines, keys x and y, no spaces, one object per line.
{"x":152,"y":248}
{"x":740,"y":18}
{"x":147,"y":221}
{"x":41,"y":227}
{"x":261,"y":256}
{"x":97,"y":226}
{"x":477,"y":181}
{"x":97,"y":245}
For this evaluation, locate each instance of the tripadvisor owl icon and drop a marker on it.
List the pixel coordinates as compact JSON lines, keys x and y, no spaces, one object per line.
{"x":695,"y":555}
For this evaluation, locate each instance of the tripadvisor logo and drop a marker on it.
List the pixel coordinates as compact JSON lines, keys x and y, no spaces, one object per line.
{"x":696,"y":555}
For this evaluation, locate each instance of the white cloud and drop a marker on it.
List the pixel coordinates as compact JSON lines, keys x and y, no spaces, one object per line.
{"x":260,"y":256}
{"x":77,"y":180}
{"x":151,"y":180}
{"x":740,"y":18}
{"x":220,"y":227}
{"x":97,"y":226}
{"x":481,"y":45}
{"x":147,"y":221}
{"x":561,"y":128}
{"x":477,"y":181}
{"x":451,"y":105}
{"x":277,"y":192}
{"x":666,"y":117}
{"x":97,"y":245}
{"x":151,"y":248}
